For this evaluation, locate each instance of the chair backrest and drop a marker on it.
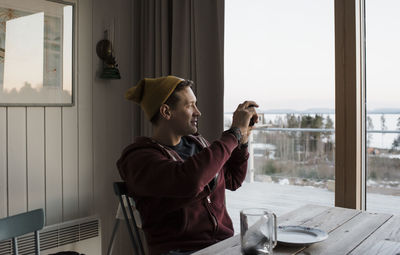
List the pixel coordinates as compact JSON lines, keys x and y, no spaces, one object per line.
{"x":132,"y":221}
{"x":21,"y":224}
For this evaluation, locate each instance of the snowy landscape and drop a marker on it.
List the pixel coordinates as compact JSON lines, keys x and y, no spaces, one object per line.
{"x":292,"y":163}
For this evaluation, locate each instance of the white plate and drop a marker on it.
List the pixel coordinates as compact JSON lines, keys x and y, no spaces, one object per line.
{"x":299,"y":235}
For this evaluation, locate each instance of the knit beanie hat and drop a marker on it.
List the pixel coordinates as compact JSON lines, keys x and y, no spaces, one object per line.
{"x":151,"y":93}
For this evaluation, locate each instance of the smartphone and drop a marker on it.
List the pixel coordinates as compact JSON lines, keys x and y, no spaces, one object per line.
{"x":252,"y":119}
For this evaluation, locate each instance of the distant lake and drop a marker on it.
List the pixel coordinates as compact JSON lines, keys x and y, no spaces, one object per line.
{"x":376,"y":140}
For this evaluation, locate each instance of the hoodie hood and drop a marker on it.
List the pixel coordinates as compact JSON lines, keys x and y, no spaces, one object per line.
{"x":143,"y":142}
{"x":140,"y":143}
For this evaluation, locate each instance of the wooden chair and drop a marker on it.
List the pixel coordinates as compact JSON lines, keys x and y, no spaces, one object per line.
{"x":131,"y":217}
{"x":21,"y":224}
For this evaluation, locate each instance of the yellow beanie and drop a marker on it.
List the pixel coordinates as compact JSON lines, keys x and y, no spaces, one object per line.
{"x":151,"y":93}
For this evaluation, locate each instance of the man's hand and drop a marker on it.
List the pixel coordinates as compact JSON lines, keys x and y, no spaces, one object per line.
{"x":242,"y":116}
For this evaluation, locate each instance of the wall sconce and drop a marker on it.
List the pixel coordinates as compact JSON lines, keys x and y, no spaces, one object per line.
{"x":105,"y":52}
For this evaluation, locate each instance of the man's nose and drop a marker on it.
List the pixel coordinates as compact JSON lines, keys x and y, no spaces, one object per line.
{"x":197,"y":111}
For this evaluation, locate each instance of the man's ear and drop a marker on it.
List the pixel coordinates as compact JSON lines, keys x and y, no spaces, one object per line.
{"x":165,"y":111}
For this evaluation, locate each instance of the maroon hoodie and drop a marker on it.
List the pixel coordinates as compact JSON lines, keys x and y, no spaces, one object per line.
{"x":178,"y":208}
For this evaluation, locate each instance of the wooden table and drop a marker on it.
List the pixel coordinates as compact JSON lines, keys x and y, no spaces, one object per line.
{"x":350,"y":232}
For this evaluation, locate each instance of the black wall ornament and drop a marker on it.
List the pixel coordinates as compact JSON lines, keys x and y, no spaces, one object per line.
{"x":105,"y":52}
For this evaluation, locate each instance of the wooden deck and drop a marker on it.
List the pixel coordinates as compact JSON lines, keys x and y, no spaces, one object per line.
{"x":282,"y":199}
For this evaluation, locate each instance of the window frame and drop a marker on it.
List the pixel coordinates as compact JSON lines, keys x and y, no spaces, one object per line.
{"x":74,"y":41}
{"x":350,"y":104}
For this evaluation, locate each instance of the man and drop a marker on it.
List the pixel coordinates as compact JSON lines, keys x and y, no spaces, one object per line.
{"x":176,"y":177}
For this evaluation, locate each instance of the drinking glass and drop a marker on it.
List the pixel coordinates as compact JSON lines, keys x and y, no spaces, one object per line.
{"x":257,"y":231}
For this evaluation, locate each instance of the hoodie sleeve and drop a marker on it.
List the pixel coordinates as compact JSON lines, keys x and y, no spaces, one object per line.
{"x":149,"y":172}
{"x":236,"y":168}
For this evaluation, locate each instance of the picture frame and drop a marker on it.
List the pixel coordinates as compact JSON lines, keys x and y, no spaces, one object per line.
{"x":37,"y":47}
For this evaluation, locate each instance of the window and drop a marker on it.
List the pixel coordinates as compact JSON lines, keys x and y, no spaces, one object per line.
{"x":281,"y":54}
{"x":36,"y":52}
{"x":383,"y":106}
{"x":359,"y":84}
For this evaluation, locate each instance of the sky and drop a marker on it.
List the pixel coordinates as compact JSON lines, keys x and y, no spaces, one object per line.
{"x":24,"y":50}
{"x":23,"y":57}
{"x":281,"y":53}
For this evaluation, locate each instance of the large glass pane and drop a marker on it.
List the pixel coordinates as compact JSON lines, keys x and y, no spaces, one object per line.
{"x":281,"y":54}
{"x":36,"y":52}
{"x":383,"y":105}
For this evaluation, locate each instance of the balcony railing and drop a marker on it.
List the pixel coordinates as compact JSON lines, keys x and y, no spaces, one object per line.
{"x":286,"y":180}
{"x":301,"y":153}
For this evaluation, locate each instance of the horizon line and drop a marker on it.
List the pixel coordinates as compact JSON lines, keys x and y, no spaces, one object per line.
{"x":322,"y":111}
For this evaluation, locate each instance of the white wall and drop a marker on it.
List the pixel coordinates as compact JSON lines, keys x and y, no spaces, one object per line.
{"x":46,"y":152}
{"x":112,"y":114}
{"x":63,"y":158}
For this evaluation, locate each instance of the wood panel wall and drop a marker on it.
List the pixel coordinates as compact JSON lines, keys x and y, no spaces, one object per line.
{"x":40,"y":159}
{"x":46,"y":153}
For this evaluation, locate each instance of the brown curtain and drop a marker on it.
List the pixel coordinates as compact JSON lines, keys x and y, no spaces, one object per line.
{"x":183,"y":38}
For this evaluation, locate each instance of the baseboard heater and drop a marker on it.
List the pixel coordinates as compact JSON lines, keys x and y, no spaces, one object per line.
{"x":55,"y":236}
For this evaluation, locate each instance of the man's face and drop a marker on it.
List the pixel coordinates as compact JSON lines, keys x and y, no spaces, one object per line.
{"x":184,"y":115}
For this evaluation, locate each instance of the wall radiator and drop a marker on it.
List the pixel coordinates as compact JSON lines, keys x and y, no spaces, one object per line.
{"x":55,"y":236}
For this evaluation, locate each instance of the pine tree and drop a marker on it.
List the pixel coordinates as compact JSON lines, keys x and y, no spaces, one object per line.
{"x":328,"y":135}
{"x":370,"y":126}
{"x":396,"y":142}
{"x":383,"y":126}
